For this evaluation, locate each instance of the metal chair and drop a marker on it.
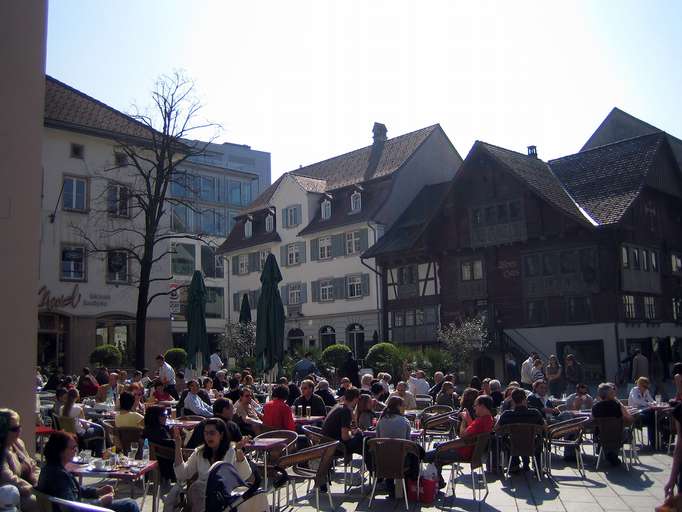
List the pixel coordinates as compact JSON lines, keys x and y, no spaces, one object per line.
{"x":437,"y":426}
{"x":481,"y":444}
{"x":423,"y":401}
{"x":297,"y":463}
{"x":125,"y":436}
{"x":46,"y":504}
{"x":68,"y":424}
{"x":314,"y":433}
{"x":610,"y":434}
{"x":191,"y":417}
{"x":389,"y":457}
{"x":556,"y":436}
{"x":523,"y":440}
{"x":276,"y":452}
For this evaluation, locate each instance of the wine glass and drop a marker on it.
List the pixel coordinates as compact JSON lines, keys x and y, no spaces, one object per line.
{"x":133,"y":450}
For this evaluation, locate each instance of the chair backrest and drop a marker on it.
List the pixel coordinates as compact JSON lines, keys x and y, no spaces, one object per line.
{"x":45,"y":504}
{"x":66,"y":423}
{"x":389,"y":455}
{"x":423,"y":401}
{"x":441,"y":422}
{"x":325,"y":452}
{"x":436,"y":410}
{"x":290,"y":436}
{"x":609,"y":433}
{"x":522,"y":438}
{"x":160,"y":452}
{"x":124,"y":436}
{"x":559,"y":430}
{"x":191,"y":417}
{"x":109,"y":428}
{"x":314,"y":433}
{"x":481,"y":447}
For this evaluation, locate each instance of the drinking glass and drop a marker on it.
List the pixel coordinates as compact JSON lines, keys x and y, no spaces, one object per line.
{"x":133,"y":450}
{"x":658,"y":399}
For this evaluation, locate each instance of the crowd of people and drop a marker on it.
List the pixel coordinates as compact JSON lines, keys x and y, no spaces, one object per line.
{"x":236,"y":408}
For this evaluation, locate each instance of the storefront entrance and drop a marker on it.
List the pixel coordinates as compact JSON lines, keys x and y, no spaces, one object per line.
{"x":118,"y":330}
{"x":53,"y":338}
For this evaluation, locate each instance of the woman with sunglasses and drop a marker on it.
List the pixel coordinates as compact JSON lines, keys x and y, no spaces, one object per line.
{"x":18,"y":469}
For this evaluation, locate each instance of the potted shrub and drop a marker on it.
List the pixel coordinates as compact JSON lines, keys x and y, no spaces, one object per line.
{"x":106,"y":355}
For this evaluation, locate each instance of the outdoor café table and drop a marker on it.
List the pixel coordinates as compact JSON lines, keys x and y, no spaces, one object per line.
{"x":186,"y":424}
{"x":415,"y":435}
{"x":658,"y":408}
{"x":264,"y":445}
{"x":126,"y":474}
{"x":308,"y":420}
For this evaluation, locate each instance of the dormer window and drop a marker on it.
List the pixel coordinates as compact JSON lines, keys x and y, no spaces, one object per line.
{"x":269,"y":223}
{"x":355,"y":202}
{"x":326,"y":209}
{"x":248,"y":229}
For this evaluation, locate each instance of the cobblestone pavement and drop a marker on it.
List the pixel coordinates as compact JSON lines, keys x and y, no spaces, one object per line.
{"x":609,"y":489}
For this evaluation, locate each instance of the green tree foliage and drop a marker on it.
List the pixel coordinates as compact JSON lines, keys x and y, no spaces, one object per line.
{"x":106,"y":355}
{"x":385,"y":357}
{"x":463,"y":340}
{"x":334,"y":355}
{"x":176,"y":357}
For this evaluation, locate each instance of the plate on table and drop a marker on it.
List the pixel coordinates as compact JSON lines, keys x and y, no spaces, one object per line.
{"x":80,"y":461}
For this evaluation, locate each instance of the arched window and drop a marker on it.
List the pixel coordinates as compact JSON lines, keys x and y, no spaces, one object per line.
{"x":355,"y":202}
{"x":327,"y":336}
{"x":269,"y":223}
{"x":326,"y":209}
{"x":248,"y":229}
{"x":355,"y":339}
{"x":295,"y":339}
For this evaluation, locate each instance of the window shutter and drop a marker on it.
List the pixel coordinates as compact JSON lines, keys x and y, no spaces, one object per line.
{"x":235,"y":301}
{"x":284,"y":218}
{"x":365,"y":285}
{"x":256,"y":298}
{"x":252,"y":299}
{"x":254,"y":258}
{"x":315,"y":289}
{"x":363,"y":240}
{"x":314,"y":249}
{"x":338,"y":245}
{"x":235,"y":265}
{"x":304,"y":293}
{"x":339,"y":288}
{"x":297,"y":215}
{"x":283,"y":256}
{"x":111,"y":199}
{"x":301,"y":251}
{"x":284,"y":292}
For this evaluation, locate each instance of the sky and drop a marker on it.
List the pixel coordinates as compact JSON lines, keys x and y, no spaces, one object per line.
{"x":306,"y":80}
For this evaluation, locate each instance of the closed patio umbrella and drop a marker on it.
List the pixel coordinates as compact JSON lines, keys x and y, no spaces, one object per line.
{"x":245,"y":311}
{"x":270,"y":320}
{"x":197,"y":338}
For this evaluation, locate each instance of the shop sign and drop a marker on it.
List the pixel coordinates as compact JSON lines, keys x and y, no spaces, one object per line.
{"x":97,"y":299}
{"x":50,"y":302}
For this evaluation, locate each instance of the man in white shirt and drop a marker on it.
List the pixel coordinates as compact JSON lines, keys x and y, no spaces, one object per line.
{"x":215,"y":363}
{"x":193,"y":403}
{"x":418,"y":384}
{"x":527,"y":371}
{"x":167,"y":376}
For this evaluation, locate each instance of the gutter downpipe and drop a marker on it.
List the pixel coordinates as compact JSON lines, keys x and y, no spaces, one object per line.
{"x":377,"y":278}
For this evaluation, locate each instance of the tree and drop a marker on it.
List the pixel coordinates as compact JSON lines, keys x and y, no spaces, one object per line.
{"x":240,"y":343}
{"x":135,"y":225}
{"x":463,"y":339}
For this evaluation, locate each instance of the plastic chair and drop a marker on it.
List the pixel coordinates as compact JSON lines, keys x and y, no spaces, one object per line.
{"x":610,"y":433}
{"x":523,"y":439}
{"x":297,"y":463}
{"x":389,"y":457}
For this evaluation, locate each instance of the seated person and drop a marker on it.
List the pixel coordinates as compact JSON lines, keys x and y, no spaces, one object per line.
{"x":309,"y":399}
{"x":343,"y":386}
{"x":322,"y":390}
{"x":232,"y":392}
{"x":640,"y":397}
{"x":447,"y":395}
{"x":364,"y":413}
{"x":18,"y":468}
{"x":87,"y":385}
{"x":409,"y":401}
{"x":88,"y":433}
{"x":159,"y":394}
{"x":580,"y":400}
{"x":468,"y":427}
{"x":126,"y":417}
{"x":245,"y":411}
{"x":111,"y":391}
{"x":496,"y":392}
{"x":56,"y":481}
{"x":223,"y":409}
{"x":276,"y":413}
{"x":338,"y":423}
{"x":469,"y":396}
{"x":156,"y":431}
{"x":539,"y":400}
{"x":521,"y":414}
{"x":220,"y":382}
{"x":193,"y":404}
{"x":609,"y":406}
{"x":379,"y":396}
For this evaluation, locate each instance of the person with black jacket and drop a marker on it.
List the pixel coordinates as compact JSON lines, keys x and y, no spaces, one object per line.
{"x":223,"y":409}
{"x":322,"y":390}
{"x":350,"y":369}
{"x":310,"y":399}
{"x":155,"y":431}
{"x":521,"y":413}
{"x":540,"y":401}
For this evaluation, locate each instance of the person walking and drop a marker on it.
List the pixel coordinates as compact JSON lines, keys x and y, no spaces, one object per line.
{"x":350,"y":370}
{"x":527,"y":371}
{"x":215,"y":362}
{"x":573,"y":372}
{"x":555,"y":377}
{"x":640,"y":366}
{"x":167,"y":376}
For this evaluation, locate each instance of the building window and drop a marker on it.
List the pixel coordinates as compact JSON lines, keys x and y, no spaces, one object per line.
{"x":263,"y":257}
{"x":75,"y":194}
{"x":502,"y":213}
{"x":326,"y":290}
{"x":208,"y":188}
{"x":654,"y":261}
{"x":215,"y":302}
{"x":352,"y":242}
{"x":536,"y":312}
{"x":117,"y":267}
{"x":650,"y":308}
{"x":355,"y":202}
{"x":677,"y":309}
{"x":406,"y":275}
{"x":471,"y":270}
{"x":248,"y":229}
{"x":73,"y":263}
{"x":235,"y":192}
{"x":645,"y":260}
{"x":293,"y":254}
{"x":476,"y":217}
{"x":120,"y":158}
{"x":514,"y":210}
{"x":292,"y":216}
{"x":180,"y":218}
{"x":118,"y":200}
{"x":409,"y":318}
{"x":579,"y":309}
{"x":635,"y":259}
{"x":478,"y":269}
{"x":629,"y":307}
{"x":211,"y":263}
{"x":183,"y":259}
{"x":676,"y":260}
{"x":466,"y":272}
{"x":549,"y":264}
{"x":532,"y":265}
{"x":326,"y":209}
{"x":327,"y":336}
{"x":625,"y":257}
{"x":294,"y":293}
{"x":354,"y":286}
{"x":325,"y":248}
{"x":243,"y":264}
{"x":568,"y":261}
{"x":269,"y":223}
{"x":398,"y":319}
{"x":77,"y":151}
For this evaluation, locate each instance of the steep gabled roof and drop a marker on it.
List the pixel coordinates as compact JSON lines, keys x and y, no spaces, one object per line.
{"x":70,"y":109}
{"x":406,"y":231}
{"x":606,"y":180}
{"x":538,"y":176}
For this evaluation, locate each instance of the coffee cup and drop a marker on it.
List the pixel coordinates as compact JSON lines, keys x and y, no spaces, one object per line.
{"x":99,"y":463}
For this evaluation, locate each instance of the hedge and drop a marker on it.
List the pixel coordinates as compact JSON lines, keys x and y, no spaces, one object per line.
{"x":335,"y":355}
{"x":176,"y":357}
{"x":106,"y":355}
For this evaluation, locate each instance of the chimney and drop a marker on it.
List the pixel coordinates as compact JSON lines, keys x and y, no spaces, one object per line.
{"x":379,"y":131}
{"x":533,"y":151}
